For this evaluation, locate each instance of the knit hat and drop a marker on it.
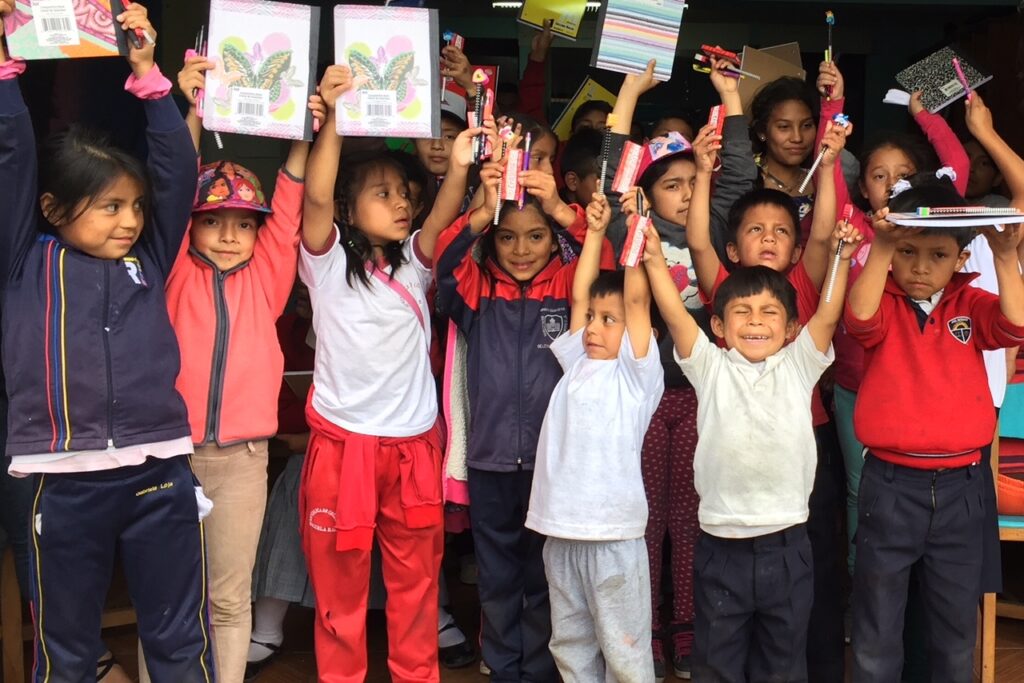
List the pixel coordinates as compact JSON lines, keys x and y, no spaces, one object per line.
{"x":226,"y":185}
{"x":660,"y":147}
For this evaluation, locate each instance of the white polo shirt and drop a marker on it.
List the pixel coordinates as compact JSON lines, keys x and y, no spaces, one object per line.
{"x":756,"y":455}
{"x":587,"y":482}
{"x":372,"y":369}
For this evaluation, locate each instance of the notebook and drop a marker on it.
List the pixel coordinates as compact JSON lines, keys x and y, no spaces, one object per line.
{"x":565,"y":15}
{"x":266,"y":68}
{"x":769,"y":67}
{"x":957,"y":217}
{"x":632,"y":32}
{"x":589,"y":90}
{"x":937,"y":79}
{"x":65,"y":29}
{"x":393,"y":50}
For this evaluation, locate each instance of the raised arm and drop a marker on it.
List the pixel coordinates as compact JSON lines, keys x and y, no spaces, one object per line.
{"x":866,"y":293}
{"x":192,"y":80}
{"x":632,"y":88}
{"x":706,"y":261}
{"x":17,"y":163}
{"x":322,"y":167}
{"x":822,"y":325}
{"x":680,"y":323}
{"x":598,"y":216}
{"x":533,"y":84}
{"x":451,"y":193}
{"x":638,"y":310}
{"x":1004,"y":245}
{"x":1011,"y":166}
{"x":948,"y":148}
{"x":172,"y":161}
{"x":817,"y":253}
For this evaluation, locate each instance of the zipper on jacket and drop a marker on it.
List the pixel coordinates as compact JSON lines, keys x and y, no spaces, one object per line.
{"x":106,"y":352}
{"x":220,"y":343}
{"x":935,"y":475}
{"x":520,"y":379}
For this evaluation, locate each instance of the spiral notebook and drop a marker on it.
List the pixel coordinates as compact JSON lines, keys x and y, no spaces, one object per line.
{"x":936,"y":77}
{"x":957,"y":217}
{"x":565,"y":16}
{"x":632,"y":32}
{"x":65,"y":29}
{"x":266,"y":68}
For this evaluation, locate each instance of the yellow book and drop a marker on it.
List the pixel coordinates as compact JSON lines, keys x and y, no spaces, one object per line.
{"x":567,"y":15}
{"x":588,"y":90}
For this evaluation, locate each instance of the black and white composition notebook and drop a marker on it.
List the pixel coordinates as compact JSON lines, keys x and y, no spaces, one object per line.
{"x":936,"y":77}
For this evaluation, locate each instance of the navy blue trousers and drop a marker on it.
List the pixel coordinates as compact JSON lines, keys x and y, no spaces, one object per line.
{"x":516,"y":623}
{"x":934,"y":519}
{"x":753,"y":601}
{"x":147,"y":514}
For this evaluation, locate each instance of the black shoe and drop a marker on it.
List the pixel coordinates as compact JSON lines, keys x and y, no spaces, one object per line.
{"x":658,"y":654}
{"x":457,"y":656}
{"x":682,"y":646}
{"x":253,"y":669}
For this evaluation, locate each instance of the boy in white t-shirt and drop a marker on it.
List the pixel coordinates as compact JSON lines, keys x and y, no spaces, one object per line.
{"x":588,"y":492}
{"x":754,"y":464}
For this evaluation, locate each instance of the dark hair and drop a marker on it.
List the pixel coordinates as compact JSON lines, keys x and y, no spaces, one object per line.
{"x":673,"y":115}
{"x":608,"y":282}
{"x":582,"y":153}
{"x":753,"y":280}
{"x":586,"y":108}
{"x":655,"y":171}
{"x":454,"y":119}
{"x":772,"y":95}
{"x":759,"y":197}
{"x":916,"y":147}
{"x":355,"y":172}
{"x":416,"y":172}
{"x":927,"y":190}
{"x":487,"y":247}
{"x":77,"y":165}
{"x":535,"y":128}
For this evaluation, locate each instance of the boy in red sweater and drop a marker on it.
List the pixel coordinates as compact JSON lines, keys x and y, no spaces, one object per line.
{"x":923,"y":413}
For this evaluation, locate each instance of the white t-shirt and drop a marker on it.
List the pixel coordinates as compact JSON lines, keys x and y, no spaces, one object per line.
{"x":587,"y":483}
{"x":372,"y":370}
{"x":756,"y":455}
{"x":980,"y":261}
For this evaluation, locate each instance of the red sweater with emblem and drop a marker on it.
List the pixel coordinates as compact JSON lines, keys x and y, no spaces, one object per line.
{"x":924,"y":401}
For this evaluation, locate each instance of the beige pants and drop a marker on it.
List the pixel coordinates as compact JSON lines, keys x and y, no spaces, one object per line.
{"x":235,"y":479}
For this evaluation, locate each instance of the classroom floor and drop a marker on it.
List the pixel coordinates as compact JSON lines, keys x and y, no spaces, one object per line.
{"x":296,"y":663}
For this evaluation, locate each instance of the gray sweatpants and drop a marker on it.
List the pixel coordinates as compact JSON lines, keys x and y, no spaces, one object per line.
{"x":600,"y":595}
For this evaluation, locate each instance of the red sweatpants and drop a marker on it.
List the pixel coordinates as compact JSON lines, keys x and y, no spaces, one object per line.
{"x":411,"y":560}
{"x":667,"y":465}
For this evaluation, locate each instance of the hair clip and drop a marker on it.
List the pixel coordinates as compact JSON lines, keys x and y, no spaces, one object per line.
{"x":899,"y":187}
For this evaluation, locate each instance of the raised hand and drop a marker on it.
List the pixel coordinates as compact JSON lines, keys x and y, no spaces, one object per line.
{"x":337,"y":80}
{"x":705,"y":148}
{"x":978,"y":116}
{"x":455,"y":65}
{"x":541,"y":43}
{"x":462,"y":148}
{"x":318,"y":108}
{"x":851,"y":237}
{"x":829,"y":75}
{"x":915,"y":106}
{"x":599,"y":214}
{"x":834,"y":140}
{"x":627,"y":201}
{"x":1004,"y":241}
{"x":723,"y":83}
{"x":135,"y":16}
{"x":638,"y":84}
{"x":491,"y":174}
{"x":192,"y":76}
{"x":653,"y":252}
{"x":542,"y":186}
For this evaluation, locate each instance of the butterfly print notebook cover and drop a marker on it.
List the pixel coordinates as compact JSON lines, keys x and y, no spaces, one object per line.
{"x":392,"y":52}
{"x":265,"y":56}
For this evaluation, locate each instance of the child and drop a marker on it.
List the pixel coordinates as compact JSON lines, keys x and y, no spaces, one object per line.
{"x":674,"y":123}
{"x":373,"y":465}
{"x":229,"y":284}
{"x":595,"y":558}
{"x":581,"y":166}
{"x":590,"y":114}
{"x":91,"y":360}
{"x":882,"y":163}
{"x":754,"y":466}
{"x":666,"y":181}
{"x":434,"y":153}
{"x":510,"y":308}
{"x":985,"y":177}
{"x":921,"y":492}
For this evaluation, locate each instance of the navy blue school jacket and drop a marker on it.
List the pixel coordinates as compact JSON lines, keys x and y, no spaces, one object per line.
{"x":88,"y":349}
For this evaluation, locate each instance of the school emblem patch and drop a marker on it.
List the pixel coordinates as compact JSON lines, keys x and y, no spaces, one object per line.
{"x":960,"y":328}
{"x":552,"y":325}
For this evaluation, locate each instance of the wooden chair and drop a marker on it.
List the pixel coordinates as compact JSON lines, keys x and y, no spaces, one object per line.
{"x":1010,"y":529}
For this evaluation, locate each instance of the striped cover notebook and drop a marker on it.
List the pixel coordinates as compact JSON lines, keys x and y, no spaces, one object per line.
{"x":632,"y":32}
